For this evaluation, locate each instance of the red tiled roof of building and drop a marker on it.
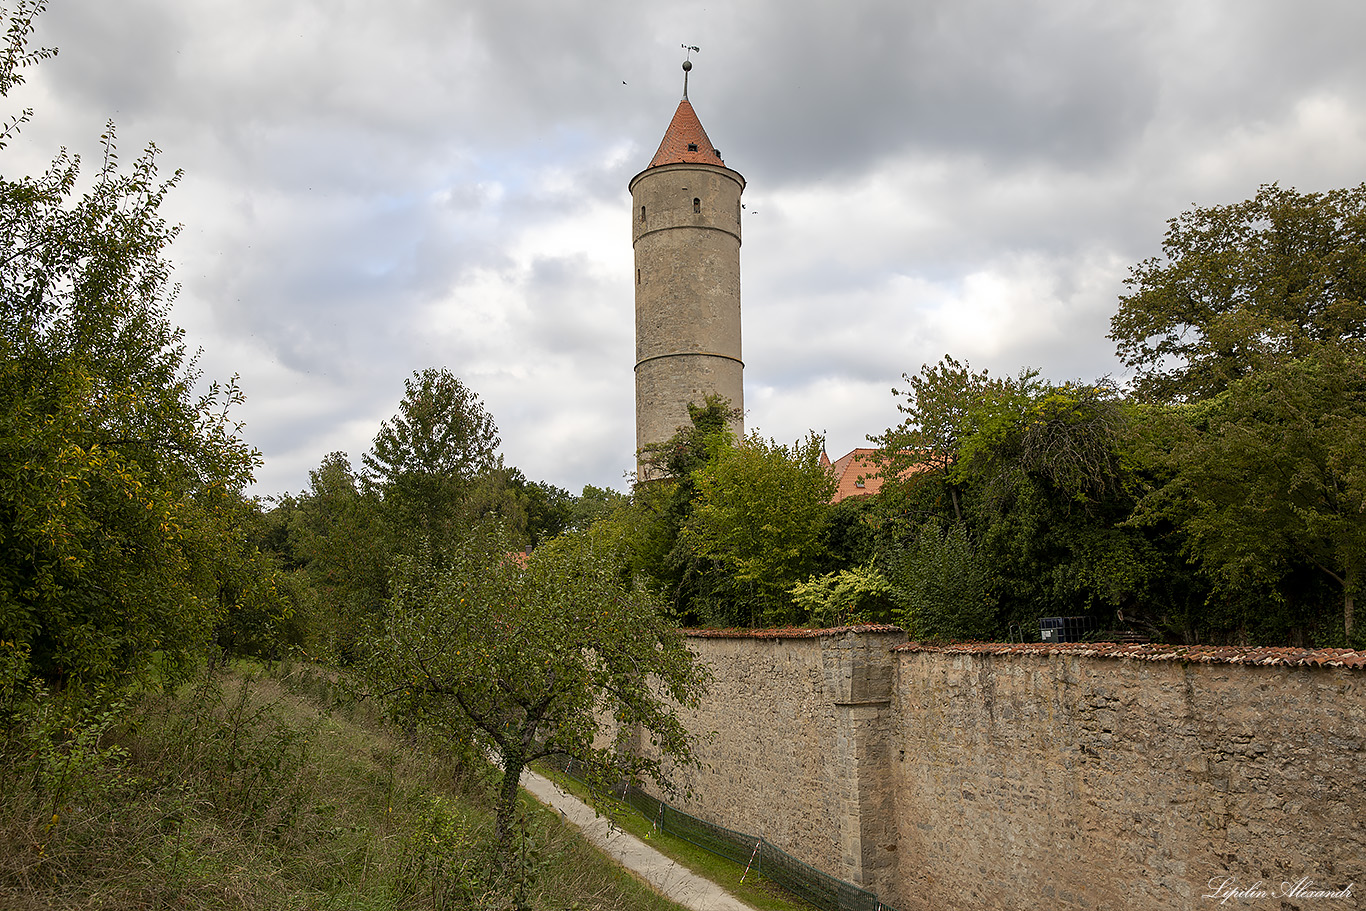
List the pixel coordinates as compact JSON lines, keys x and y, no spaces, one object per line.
{"x":859,"y":474}
{"x":686,"y":141}
{"x":856,"y":473}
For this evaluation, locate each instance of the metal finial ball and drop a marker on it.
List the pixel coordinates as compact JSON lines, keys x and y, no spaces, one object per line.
{"x":687,"y":65}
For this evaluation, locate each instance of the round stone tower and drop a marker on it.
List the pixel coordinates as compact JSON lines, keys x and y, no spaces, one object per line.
{"x":685,"y":216}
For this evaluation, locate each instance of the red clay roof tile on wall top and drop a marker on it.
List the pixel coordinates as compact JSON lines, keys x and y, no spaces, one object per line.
{"x":686,"y":141}
{"x":1193,"y":654}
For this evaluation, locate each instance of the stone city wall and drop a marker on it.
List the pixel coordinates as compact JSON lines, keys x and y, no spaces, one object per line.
{"x":799,"y":749}
{"x":1070,"y":777}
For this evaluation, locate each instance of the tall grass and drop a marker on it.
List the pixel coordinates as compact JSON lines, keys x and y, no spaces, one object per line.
{"x":264,"y":791}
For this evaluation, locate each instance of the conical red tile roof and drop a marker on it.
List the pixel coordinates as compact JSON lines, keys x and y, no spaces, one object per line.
{"x":686,"y":141}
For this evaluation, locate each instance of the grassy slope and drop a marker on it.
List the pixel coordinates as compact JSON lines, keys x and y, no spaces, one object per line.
{"x":247,"y":793}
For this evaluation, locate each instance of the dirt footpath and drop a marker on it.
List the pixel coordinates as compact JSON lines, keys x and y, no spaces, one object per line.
{"x":669,"y":878}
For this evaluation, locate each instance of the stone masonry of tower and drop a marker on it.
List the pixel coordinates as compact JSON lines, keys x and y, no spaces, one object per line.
{"x":685,"y":219}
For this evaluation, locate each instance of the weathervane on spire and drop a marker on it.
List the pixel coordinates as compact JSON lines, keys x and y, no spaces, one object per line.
{"x":687,"y":65}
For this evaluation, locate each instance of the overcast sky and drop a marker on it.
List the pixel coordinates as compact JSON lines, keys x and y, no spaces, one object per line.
{"x":374,"y":188}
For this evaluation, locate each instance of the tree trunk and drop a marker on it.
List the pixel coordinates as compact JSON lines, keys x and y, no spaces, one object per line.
{"x":1348,"y":581}
{"x":513,"y":763}
{"x":1347,"y":610}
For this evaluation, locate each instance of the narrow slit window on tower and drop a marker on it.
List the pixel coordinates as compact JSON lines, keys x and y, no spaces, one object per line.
{"x":642,"y":213}
{"x":637,"y":276}
{"x":696,"y":204}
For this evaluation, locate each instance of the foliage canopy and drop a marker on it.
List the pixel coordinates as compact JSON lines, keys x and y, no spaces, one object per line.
{"x":119,"y":479}
{"x":1240,"y":288}
{"x":526,"y":656}
{"x":1271,"y":474}
{"x":759,"y":512}
{"x":426,"y":459}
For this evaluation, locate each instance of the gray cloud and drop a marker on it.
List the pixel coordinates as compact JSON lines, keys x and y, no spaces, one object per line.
{"x":374,"y":189}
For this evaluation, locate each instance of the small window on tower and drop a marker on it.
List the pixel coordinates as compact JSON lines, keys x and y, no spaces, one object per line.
{"x":637,"y":276}
{"x":696,"y":204}
{"x":692,"y":147}
{"x":642,"y":213}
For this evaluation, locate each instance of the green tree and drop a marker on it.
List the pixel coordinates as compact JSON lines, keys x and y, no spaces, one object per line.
{"x":1271,"y":473}
{"x":690,"y":447}
{"x":15,"y":56}
{"x":1043,"y":481}
{"x":945,"y":404}
{"x":527,"y":659}
{"x":256,"y":605}
{"x":549,"y":510}
{"x":426,"y":459}
{"x":1242,"y":287}
{"x":535,"y":510}
{"x":660,"y":509}
{"x":1052,"y":487}
{"x":1256,"y":312}
{"x":858,"y":595}
{"x":338,"y":535}
{"x":760,"y":510}
{"x":594,"y":503}
{"x":943,"y":586}
{"x":850,"y":533}
{"x":496,"y":495}
{"x":115,"y":473}
{"x":1065,"y":436}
